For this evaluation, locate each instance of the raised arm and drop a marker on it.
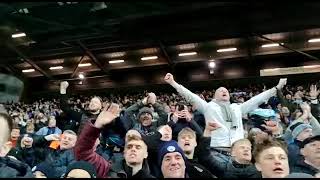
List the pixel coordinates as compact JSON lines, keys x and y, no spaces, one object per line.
{"x":188,"y":95}
{"x":214,"y":165}
{"x":65,"y":107}
{"x":85,"y":150}
{"x":255,"y":101}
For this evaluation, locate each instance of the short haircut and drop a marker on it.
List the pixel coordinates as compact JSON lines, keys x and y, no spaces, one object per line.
{"x":187,"y":130}
{"x":69,"y":132}
{"x":239,"y":141}
{"x":266,"y":144}
{"x":133,"y":137}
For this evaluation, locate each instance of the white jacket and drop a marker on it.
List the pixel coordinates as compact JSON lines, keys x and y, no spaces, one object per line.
{"x":224,"y":137}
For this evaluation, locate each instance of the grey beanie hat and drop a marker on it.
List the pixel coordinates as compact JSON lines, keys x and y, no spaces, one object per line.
{"x":145,"y":110}
{"x":298,"y":128}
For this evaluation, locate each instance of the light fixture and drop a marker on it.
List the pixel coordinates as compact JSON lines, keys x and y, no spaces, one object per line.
{"x":188,"y":54}
{"x":212,"y":64}
{"x":312,"y":66}
{"x":270,"y":70}
{"x":149,"y":58}
{"x":116,"y":61}
{"x":56,"y":67}
{"x":17,"y":35}
{"x":28,"y":70}
{"x":314,"y":40}
{"x":271,"y":45}
{"x":81,"y":76}
{"x":227,"y":50}
{"x":84,"y":65}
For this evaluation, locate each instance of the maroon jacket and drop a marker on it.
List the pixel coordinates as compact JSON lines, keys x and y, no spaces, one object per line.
{"x":84,"y":149}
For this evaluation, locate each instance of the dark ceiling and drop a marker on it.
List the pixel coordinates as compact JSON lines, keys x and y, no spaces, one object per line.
{"x":67,"y":33}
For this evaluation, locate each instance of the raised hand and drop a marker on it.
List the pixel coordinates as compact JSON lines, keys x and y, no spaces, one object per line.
{"x":169,"y":78}
{"x":314,"y":92}
{"x":152,"y":98}
{"x":52,"y":137}
{"x":282,"y":83}
{"x":63,"y":87}
{"x":305,"y":107}
{"x":107,"y":115}
{"x":210,"y":126}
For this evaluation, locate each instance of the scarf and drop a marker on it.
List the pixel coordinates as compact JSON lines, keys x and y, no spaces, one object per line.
{"x":227,"y":113}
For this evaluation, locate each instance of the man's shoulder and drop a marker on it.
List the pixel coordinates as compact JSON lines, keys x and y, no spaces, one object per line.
{"x":11,"y":168}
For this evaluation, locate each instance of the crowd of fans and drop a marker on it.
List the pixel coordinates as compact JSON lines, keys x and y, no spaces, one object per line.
{"x":253,"y":132}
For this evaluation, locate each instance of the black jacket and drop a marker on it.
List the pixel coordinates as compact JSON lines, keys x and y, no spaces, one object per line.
{"x":180,"y":124}
{"x":196,"y":170}
{"x":79,"y":117}
{"x":229,"y":169}
{"x":124,"y":171}
{"x":153,"y":141}
{"x":302,"y":167}
{"x":11,"y":168}
{"x":315,"y":110}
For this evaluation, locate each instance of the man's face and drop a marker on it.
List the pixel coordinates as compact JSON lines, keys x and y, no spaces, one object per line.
{"x":67,"y":141}
{"x":173,"y":165}
{"x":273,"y":163}
{"x":52,"y":122}
{"x":305,"y":134}
{"x":222,"y":94}
{"x":187,"y":142}
{"x":15,"y":133}
{"x":166,"y":133}
{"x":242,"y":152}
{"x":135,"y":151}
{"x":4,"y":133}
{"x":279,"y":106}
{"x":289,"y":97}
{"x":145,"y":119}
{"x":95,"y":104}
{"x":311,"y":151}
{"x":172,"y":108}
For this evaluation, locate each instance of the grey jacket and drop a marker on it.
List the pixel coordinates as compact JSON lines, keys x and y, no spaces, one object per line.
{"x":134,"y":123}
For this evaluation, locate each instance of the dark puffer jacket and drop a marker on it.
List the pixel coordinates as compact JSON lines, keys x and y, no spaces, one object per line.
{"x":302,"y":167}
{"x":11,"y":168}
{"x":228,"y":169}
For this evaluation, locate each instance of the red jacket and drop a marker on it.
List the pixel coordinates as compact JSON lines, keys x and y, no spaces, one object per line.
{"x":84,"y":149}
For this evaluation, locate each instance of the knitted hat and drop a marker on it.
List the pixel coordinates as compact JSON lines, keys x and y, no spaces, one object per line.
{"x":309,"y":140}
{"x":265,"y":113}
{"x":84,"y":166}
{"x":298,"y":127}
{"x":46,"y":168}
{"x":145,"y":110}
{"x":169,"y":147}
